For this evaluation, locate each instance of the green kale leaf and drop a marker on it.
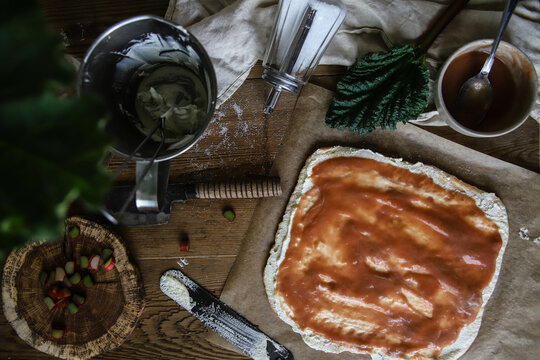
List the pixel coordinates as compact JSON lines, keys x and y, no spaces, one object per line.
{"x":380,"y":90}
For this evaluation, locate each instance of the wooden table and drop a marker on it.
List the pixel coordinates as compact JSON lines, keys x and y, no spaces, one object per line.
{"x":240,"y":141}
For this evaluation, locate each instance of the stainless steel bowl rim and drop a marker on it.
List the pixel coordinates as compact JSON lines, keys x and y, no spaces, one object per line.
{"x":200,"y":51}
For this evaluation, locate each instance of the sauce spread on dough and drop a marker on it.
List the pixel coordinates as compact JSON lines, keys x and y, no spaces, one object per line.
{"x":381,"y":257}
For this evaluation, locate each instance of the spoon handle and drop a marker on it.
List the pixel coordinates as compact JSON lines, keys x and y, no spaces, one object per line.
{"x":508,"y":10}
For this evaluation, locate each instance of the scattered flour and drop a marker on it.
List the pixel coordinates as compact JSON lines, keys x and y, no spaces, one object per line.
{"x":223,"y":130}
{"x":82,"y":31}
{"x":182,"y":262}
{"x":176,"y":290}
{"x":218,"y":115}
{"x":524,"y":234}
{"x":243,"y":126}
{"x":238,"y":109}
{"x":231,"y":134}
{"x":65,"y":38}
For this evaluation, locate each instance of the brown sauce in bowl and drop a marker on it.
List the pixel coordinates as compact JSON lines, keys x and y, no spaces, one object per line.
{"x":505,"y":94}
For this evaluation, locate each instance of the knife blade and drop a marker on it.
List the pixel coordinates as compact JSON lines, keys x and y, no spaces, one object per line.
{"x":221,"y":318}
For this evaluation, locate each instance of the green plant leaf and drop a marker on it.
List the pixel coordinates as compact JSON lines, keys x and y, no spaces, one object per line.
{"x":50,"y":149}
{"x":380,"y":90}
{"x":33,"y":55}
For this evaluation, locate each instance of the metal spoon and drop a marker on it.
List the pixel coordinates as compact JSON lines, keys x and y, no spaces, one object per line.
{"x":476,"y":94}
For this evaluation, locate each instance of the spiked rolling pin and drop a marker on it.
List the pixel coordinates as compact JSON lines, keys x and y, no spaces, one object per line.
{"x":246,"y":189}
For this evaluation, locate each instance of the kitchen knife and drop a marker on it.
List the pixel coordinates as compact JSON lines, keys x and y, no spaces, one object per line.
{"x":221,"y":318}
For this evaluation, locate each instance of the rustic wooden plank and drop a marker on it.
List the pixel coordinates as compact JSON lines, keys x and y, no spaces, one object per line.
{"x":80,"y":22}
{"x":520,"y":147}
{"x":210,"y":234}
{"x":228,"y":149}
{"x":166,"y":331}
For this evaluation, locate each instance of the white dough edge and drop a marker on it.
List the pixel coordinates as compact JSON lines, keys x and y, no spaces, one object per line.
{"x":489,"y":203}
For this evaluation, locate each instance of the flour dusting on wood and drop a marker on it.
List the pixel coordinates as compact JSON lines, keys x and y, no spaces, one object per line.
{"x":231,"y":128}
{"x":182,"y":262}
{"x":176,"y":290}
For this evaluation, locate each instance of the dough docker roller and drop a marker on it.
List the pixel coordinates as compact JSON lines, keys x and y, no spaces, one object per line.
{"x":136,"y":212}
{"x":301,"y":33}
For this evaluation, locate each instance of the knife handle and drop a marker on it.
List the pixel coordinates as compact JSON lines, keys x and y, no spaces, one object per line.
{"x":249,"y":189}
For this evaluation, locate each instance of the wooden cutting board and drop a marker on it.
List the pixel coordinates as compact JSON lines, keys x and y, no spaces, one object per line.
{"x":112,"y":307}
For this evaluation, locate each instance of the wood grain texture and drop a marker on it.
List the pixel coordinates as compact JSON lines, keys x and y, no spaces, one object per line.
{"x":239,"y":142}
{"x":520,"y":147}
{"x":201,"y":221}
{"x":80,"y":22}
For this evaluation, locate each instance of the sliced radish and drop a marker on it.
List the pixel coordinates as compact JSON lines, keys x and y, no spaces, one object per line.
{"x":229,"y":214}
{"x":60,"y":274}
{"x":53,"y":293}
{"x":93,"y":263}
{"x":75,"y":278}
{"x":87,"y":281}
{"x":184,"y":245}
{"x":58,"y":333}
{"x":49,"y":302}
{"x":70,"y":267}
{"x":78,"y":299}
{"x":62,"y":303}
{"x":84,"y":262}
{"x":106,"y":254}
{"x":109,"y":264}
{"x":72,"y":308}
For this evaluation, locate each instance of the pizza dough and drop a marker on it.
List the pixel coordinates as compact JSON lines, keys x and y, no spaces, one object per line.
{"x":380,"y":262}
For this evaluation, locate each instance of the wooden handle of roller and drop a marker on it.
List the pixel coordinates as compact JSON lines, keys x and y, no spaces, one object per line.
{"x":239,"y":189}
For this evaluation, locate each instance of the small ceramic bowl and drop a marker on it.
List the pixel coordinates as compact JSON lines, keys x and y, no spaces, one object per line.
{"x":514,"y":81}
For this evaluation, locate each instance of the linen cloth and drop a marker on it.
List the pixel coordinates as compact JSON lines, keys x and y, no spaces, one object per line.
{"x":235,"y":33}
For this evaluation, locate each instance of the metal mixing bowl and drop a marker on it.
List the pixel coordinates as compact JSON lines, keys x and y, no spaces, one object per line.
{"x":100,"y":73}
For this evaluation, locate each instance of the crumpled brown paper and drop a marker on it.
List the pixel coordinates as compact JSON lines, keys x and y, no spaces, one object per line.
{"x":511,"y":322}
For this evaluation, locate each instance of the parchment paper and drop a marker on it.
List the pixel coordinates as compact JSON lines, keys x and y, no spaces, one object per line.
{"x":235,"y":32}
{"x":511,"y":323}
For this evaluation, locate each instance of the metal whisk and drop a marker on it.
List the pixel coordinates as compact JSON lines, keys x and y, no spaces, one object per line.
{"x":160,"y":126}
